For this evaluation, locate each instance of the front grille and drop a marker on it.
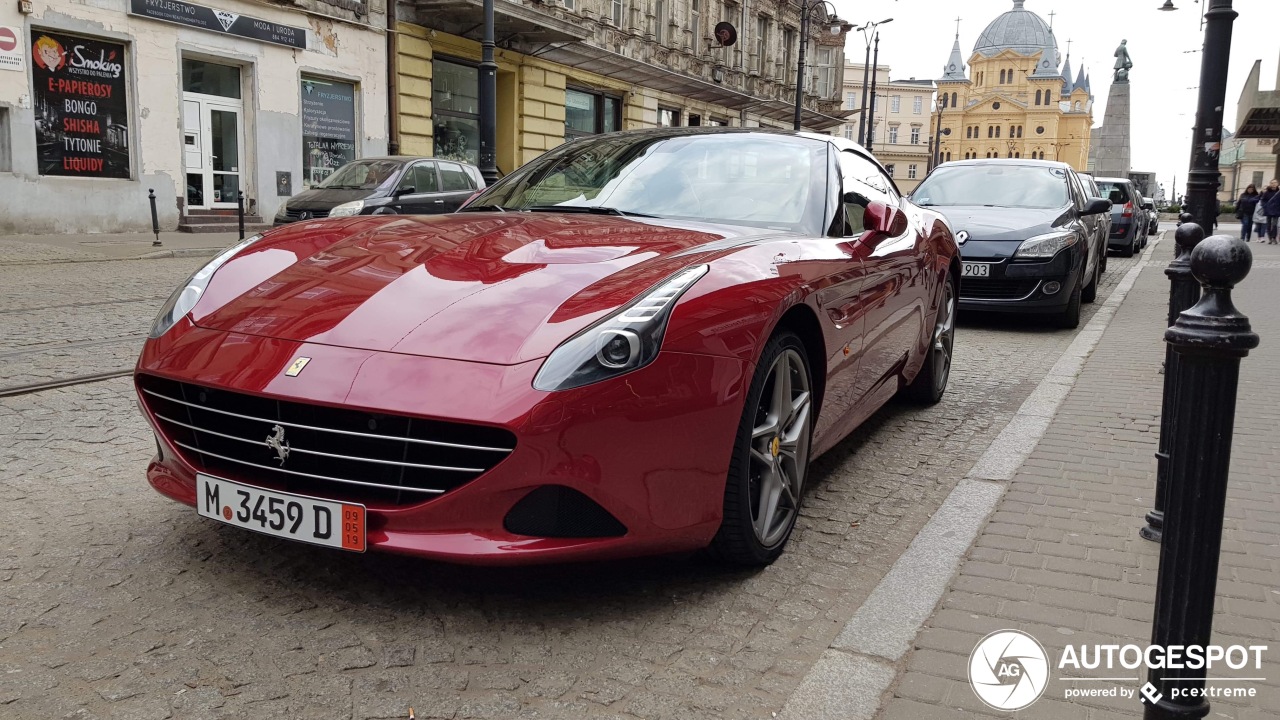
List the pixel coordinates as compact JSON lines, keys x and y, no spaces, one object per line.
{"x":335,"y":453}
{"x":311,"y":214}
{"x":996,"y":289}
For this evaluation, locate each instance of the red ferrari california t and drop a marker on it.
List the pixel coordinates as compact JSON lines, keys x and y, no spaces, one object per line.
{"x":634,"y":344}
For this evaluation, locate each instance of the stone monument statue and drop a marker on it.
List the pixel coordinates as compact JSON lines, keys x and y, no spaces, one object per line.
{"x":1123,"y":63}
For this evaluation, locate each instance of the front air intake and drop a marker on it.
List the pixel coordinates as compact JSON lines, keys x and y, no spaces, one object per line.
{"x":559,"y":512}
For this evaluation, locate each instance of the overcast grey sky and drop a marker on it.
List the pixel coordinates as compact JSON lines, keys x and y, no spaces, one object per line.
{"x":1165,"y":76}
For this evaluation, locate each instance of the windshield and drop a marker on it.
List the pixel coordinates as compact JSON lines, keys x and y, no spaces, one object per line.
{"x":999,"y":185}
{"x":756,"y":179}
{"x":362,"y":175}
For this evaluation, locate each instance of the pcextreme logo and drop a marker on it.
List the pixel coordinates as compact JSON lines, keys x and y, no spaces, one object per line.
{"x":1009,"y":670}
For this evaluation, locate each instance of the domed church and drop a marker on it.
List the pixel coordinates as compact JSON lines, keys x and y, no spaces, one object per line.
{"x":1016,"y":98}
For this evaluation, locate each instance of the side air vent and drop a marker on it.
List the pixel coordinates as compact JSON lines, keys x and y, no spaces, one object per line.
{"x":560,"y":512}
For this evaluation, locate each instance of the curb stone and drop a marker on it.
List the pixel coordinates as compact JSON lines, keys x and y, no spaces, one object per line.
{"x":181,"y":253}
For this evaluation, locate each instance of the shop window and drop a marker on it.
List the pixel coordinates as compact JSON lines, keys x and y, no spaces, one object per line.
{"x":81,"y":114}
{"x":668,"y":117}
{"x":455,"y":109}
{"x":590,"y":113}
{"x":328,"y":127}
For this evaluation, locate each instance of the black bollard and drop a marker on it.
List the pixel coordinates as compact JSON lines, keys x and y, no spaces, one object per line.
{"x":1208,"y":342}
{"x":1184,"y":291}
{"x":155,"y":219}
{"x":240,"y":212}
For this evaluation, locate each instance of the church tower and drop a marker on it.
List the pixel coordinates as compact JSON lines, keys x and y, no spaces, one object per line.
{"x":1017,"y":99}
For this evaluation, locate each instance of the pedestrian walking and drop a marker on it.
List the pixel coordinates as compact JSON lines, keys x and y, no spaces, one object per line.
{"x":1270,"y":202}
{"x":1260,"y":223}
{"x":1245,"y":206}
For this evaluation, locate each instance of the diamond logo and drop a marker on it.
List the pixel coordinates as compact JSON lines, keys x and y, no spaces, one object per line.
{"x":1150,"y":694}
{"x":226,"y":19}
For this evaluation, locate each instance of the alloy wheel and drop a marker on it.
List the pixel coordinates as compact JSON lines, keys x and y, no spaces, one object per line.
{"x":780,"y":449}
{"x":944,"y":335}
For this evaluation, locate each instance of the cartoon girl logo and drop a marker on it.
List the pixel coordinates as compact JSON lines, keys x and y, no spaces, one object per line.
{"x":48,"y":53}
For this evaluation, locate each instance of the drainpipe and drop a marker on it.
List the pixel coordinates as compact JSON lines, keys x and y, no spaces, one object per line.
{"x":393,"y":82}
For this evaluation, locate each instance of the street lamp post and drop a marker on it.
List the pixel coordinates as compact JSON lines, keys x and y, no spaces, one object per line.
{"x":834,"y":24}
{"x":1206,"y":139}
{"x":871,"y":126}
{"x":866,"y":69}
{"x":488,"y":101}
{"x":936,"y":156}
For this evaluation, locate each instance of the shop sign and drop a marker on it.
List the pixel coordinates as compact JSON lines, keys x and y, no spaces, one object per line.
{"x":81,"y":106}
{"x":219,"y":21}
{"x":328,"y":127}
{"x":11,"y":51}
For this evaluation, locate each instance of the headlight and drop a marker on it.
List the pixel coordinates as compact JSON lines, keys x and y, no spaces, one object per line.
{"x":1046,"y":246}
{"x":349,"y":208}
{"x":625,"y":341}
{"x":283,"y":212}
{"x":187,"y":294}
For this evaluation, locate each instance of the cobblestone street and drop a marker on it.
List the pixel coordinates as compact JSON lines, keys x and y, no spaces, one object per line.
{"x":119,"y":603}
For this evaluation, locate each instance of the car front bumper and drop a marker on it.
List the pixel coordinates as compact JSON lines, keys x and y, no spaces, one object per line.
{"x":652,"y":453}
{"x":1019,"y":287}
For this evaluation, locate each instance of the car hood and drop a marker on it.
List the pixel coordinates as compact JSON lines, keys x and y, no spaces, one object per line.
{"x":1009,"y":224}
{"x":325,"y":198}
{"x":498,"y":288}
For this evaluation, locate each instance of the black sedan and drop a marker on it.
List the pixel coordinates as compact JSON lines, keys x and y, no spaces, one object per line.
{"x":386,"y":186}
{"x":1024,"y":228}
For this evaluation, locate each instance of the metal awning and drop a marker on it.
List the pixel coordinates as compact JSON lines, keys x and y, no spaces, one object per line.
{"x":638,"y":72}
{"x":512,"y":22}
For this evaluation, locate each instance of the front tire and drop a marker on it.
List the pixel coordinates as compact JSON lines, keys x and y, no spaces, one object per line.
{"x":1090,"y":293}
{"x":930,"y":383}
{"x":1070,"y":317}
{"x":764,"y":490}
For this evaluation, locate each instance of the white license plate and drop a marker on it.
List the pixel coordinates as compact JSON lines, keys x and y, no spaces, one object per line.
{"x":975,"y":270}
{"x":296,"y":517}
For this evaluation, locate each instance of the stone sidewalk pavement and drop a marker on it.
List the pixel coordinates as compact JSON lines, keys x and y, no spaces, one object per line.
{"x":1060,"y":558}
{"x":38,"y":249}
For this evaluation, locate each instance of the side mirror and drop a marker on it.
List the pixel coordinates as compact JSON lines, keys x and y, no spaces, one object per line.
{"x":883,"y":219}
{"x":406,"y":190}
{"x":1096,"y":206}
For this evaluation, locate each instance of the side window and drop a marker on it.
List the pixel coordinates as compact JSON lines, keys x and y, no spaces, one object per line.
{"x":454,"y":179}
{"x":867,"y":183}
{"x":1077,"y":190}
{"x":421,"y":177}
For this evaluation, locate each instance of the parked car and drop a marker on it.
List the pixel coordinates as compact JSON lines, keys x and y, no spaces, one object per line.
{"x":1128,"y":221}
{"x":386,"y":186}
{"x":633,"y":344}
{"x":1101,"y":222}
{"x":1153,"y":217}
{"x":1025,"y":239}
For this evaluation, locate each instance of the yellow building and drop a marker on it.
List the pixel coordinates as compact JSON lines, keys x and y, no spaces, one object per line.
{"x":1014,"y":101}
{"x":568,"y":68}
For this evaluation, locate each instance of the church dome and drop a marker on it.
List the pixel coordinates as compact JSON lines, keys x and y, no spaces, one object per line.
{"x":1019,"y":30}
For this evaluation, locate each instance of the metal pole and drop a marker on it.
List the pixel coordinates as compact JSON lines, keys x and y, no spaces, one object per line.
{"x":488,"y":101}
{"x":393,"y":83}
{"x":871,"y":124}
{"x":1208,"y":342}
{"x":1184,"y":292}
{"x":1206,"y":139}
{"x":240,"y":212}
{"x":804,"y":43}
{"x":155,"y":219}
{"x":937,"y":134}
{"x":862,"y":116}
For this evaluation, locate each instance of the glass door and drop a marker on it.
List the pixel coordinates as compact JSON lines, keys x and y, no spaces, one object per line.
{"x":213,"y":133}
{"x":224,"y":154}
